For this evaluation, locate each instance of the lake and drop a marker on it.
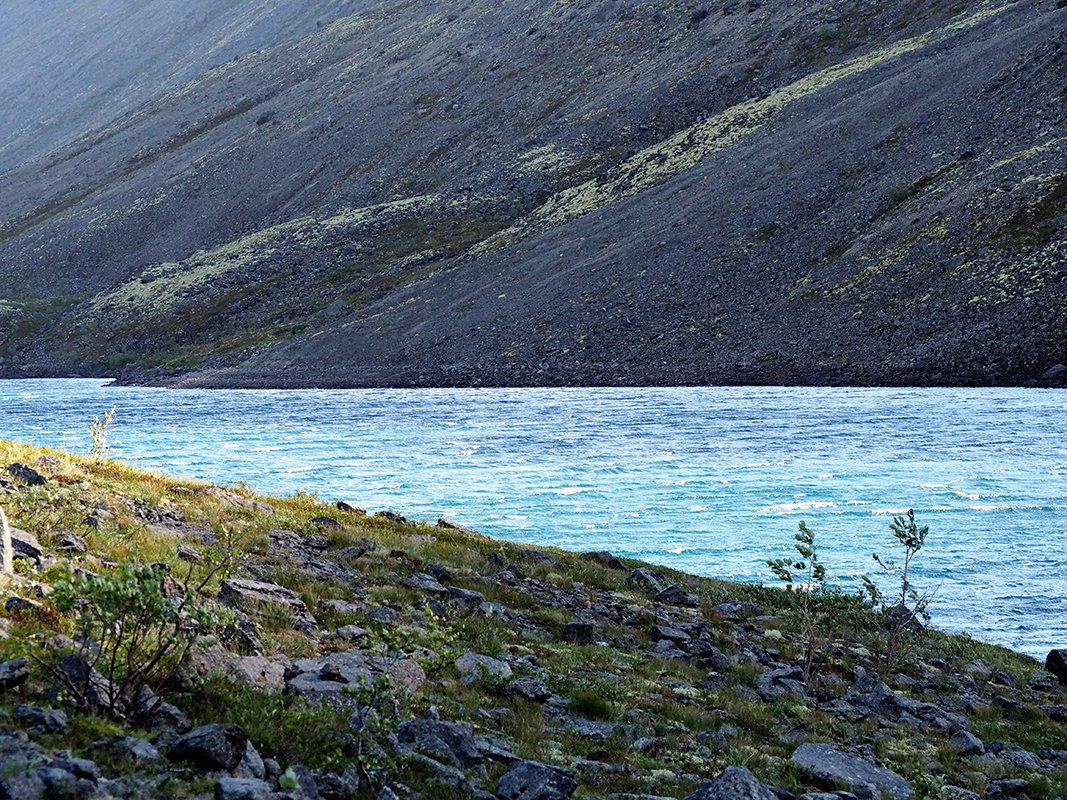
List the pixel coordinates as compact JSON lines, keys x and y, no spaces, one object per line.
{"x":710,"y":480}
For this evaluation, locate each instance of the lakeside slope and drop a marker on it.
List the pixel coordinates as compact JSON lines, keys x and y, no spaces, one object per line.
{"x":514,"y":671}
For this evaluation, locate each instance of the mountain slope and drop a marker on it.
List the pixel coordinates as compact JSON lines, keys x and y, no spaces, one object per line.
{"x":610,"y":193}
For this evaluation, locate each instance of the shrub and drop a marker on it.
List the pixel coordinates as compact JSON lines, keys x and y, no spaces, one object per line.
{"x":807,"y":576}
{"x":901,"y":619}
{"x":100,"y":433}
{"x":130,"y":637}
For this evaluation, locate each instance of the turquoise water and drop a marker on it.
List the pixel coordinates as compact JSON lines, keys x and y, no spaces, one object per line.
{"x":711,"y":480}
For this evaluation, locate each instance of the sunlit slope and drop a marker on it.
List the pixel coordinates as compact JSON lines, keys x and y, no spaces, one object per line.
{"x":609,"y":193}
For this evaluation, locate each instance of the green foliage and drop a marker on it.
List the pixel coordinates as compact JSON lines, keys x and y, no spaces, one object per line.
{"x":808,"y":576}
{"x":442,"y":646}
{"x":900,"y":619}
{"x":129,"y":631}
{"x":100,"y":433}
{"x":284,"y":727}
{"x":375,"y":719}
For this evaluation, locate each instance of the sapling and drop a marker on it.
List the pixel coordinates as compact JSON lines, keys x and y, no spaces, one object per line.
{"x":807,"y":576}
{"x":910,"y":604}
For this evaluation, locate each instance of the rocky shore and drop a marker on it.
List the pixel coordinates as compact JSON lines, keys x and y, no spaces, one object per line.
{"x":167,"y":638}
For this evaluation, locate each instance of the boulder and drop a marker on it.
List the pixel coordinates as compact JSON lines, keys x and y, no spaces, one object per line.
{"x":1056,"y":663}
{"x":69,"y":542}
{"x":466,"y":596}
{"x":605,"y":559}
{"x":261,"y":673}
{"x":25,"y":545}
{"x":250,"y":593}
{"x":473,"y":666}
{"x":966,"y":743}
{"x":242,"y":789}
{"x":658,"y":633}
{"x":336,"y":676}
{"x":649,"y":580}
{"x":531,"y":780}
{"x":212,"y":747}
{"x":578,"y":632}
{"x":445,"y":522}
{"x":675,"y":595}
{"x":733,"y":783}
{"x":26,"y":475}
{"x":830,"y":767}
{"x":348,"y":508}
{"x":14,"y":673}
{"x":326,"y":523}
{"x":43,"y":720}
{"x":780,"y":682}
{"x":424,"y":583}
{"x":448,"y":742}
{"x":533,"y":689}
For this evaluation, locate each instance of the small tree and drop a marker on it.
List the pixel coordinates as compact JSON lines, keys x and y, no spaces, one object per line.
{"x":807,"y":576}
{"x":100,"y":433}
{"x":901,"y":618}
{"x":131,"y":635}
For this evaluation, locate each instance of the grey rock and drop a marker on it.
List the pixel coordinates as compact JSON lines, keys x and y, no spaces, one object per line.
{"x":467,"y":596}
{"x":578,"y":632}
{"x":333,"y":677}
{"x":26,"y":475}
{"x":1056,"y":663}
{"x":660,"y":632}
{"x":25,"y":545}
{"x":449,"y":742}
{"x":249,"y":592}
{"x":351,"y":633}
{"x":675,"y":595}
{"x":648,"y":579}
{"x":69,"y":542}
{"x":780,"y":682}
{"x":966,"y":743}
{"x":528,"y":688}
{"x":348,"y":508}
{"x":424,"y":583}
{"x":43,"y":720}
{"x":242,"y":789}
{"x":14,"y":673}
{"x":135,"y":748}
{"x":258,"y":672}
{"x":539,"y":557}
{"x":445,"y":522}
{"x":211,"y":747}
{"x":604,"y":558}
{"x":326,"y":523}
{"x":251,"y":765}
{"x":190,"y":554}
{"x":472,"y":666}
{"x":531,"y":780}
{"x":1008,"y":787}
{"x":733,"y":783}
{"x":18,"y":605}
{"x":831,"y":767}
{"x":598,"y":731}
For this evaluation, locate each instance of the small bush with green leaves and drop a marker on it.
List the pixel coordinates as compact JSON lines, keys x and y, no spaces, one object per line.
{"x":909,"y":605}
{"x":806,"y":575}
{"x":130,"y":636}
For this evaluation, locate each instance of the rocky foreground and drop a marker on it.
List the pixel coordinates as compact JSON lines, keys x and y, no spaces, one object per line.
{"x":167,"y":638}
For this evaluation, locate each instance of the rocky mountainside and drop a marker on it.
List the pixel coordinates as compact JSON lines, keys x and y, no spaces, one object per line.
{"x":166,"y":638}
{"x":393,"y":193}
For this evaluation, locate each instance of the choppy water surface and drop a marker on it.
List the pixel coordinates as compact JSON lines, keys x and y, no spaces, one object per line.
{"x":711,"y":480}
